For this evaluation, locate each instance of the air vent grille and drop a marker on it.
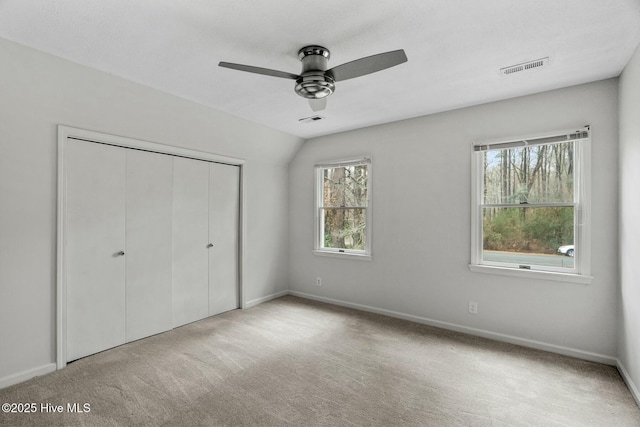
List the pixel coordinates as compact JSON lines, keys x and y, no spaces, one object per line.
{"x":537,"y":63}
{"x":310,"y":119}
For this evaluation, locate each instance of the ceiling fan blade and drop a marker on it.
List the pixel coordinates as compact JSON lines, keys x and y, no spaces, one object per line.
{"x":259,"y":70}
{"x":318,"y":104}
{"x":368,"y":65}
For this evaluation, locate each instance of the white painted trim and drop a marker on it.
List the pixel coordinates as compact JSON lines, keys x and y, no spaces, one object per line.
{"x":241,"y":236}
{"x":635,"y":392}
{"x":120,"y":141}
{"x":532,"y":274}
{"x":476,"y":212}
{"x":61,"y":281}
{"x":66,"y":132}
{"x":27,"y":375}
{"x":345,"y":255}
{"x":566,"y":351}
{"x":266,"y":298}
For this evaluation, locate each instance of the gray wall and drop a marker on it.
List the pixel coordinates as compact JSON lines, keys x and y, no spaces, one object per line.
{"x":629,"y":326}
{"x":38,"y":92}
{"x":421,"y":225}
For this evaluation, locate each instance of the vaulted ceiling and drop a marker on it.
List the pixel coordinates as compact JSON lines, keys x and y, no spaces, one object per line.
{"x":455,"y":50}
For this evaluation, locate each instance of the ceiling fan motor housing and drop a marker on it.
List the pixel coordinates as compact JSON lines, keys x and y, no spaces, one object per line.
{"x":314,"y":85}
{"x":314,"y":82}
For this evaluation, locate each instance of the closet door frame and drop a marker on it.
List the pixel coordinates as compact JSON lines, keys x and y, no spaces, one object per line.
{"x":64,"y":134}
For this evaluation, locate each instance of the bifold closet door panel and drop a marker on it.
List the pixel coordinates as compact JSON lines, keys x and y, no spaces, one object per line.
{"x":190,"y":239}
{"x":148,"y":242}
{"x":224,"y":210}
{"x":94,"y":241}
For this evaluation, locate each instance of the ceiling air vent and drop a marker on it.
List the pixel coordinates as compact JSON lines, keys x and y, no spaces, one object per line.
{"x":537,"y":63}
{"x":310,"y":119}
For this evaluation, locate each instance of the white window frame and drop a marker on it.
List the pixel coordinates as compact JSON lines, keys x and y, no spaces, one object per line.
{"x":319,"y":249}
{"x":582,"y":225}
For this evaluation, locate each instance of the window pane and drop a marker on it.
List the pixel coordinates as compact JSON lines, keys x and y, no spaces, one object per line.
{"x":529,"y":236}
{"x":536,"y":174}
{"x":344,"y":228}
{"x":345,"y":186}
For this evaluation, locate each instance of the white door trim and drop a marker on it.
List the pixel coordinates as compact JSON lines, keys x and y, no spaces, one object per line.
{"x":66,"y":132}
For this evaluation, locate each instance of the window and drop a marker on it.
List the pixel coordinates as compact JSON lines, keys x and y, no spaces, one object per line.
{"x":343,"y":208}
{"x":530,"y":210}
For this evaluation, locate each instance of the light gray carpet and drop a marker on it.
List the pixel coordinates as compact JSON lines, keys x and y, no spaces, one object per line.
{"x":301,"y":363}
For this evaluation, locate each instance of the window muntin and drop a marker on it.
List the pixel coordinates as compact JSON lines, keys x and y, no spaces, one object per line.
{"x":343,"y":215}
{"x":529,"y":209}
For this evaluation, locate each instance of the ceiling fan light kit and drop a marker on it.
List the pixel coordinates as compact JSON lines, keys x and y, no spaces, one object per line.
{"x":315,"y":82}
{"x":314,"y":86}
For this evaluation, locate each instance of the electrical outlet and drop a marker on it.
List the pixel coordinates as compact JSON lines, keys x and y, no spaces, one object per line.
{"x":318,"y":281}
{"x":473,"y":307}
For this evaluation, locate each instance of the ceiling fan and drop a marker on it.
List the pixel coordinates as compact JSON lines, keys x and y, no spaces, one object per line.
{"x":315,"y":82}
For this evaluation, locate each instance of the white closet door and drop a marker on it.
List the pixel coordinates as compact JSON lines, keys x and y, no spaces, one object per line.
{"x":224,"y":205}
{"x":94,"y":231}
{"x":190,"y":239}
{"x":148,"y":242}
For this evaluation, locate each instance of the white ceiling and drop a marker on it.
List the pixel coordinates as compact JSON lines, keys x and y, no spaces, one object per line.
{"x":455,"y":49}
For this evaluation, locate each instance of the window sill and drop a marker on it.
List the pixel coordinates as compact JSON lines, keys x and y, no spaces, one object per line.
{"x":532,"y":274}
{"x":344,"y":255}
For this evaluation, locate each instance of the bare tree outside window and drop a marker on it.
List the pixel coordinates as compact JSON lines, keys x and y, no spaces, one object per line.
{"x":343,"y":206}
{"x":528,"y":203}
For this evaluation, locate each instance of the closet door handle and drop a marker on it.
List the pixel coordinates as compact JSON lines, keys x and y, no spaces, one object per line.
{"x":121,"y":253}
{"x":210,"y":245}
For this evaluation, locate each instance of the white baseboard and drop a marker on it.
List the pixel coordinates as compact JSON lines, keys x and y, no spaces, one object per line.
{"x":628,"y":381}
{"x":260,"y":300}
{"x":27,"y":375}
{"x":566,"y":351}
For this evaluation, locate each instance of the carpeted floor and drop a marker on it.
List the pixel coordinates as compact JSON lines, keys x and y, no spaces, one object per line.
{"x":294,"y":362}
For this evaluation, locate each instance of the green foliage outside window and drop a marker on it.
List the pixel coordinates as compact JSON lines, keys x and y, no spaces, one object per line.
{"x":529,"y":229}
